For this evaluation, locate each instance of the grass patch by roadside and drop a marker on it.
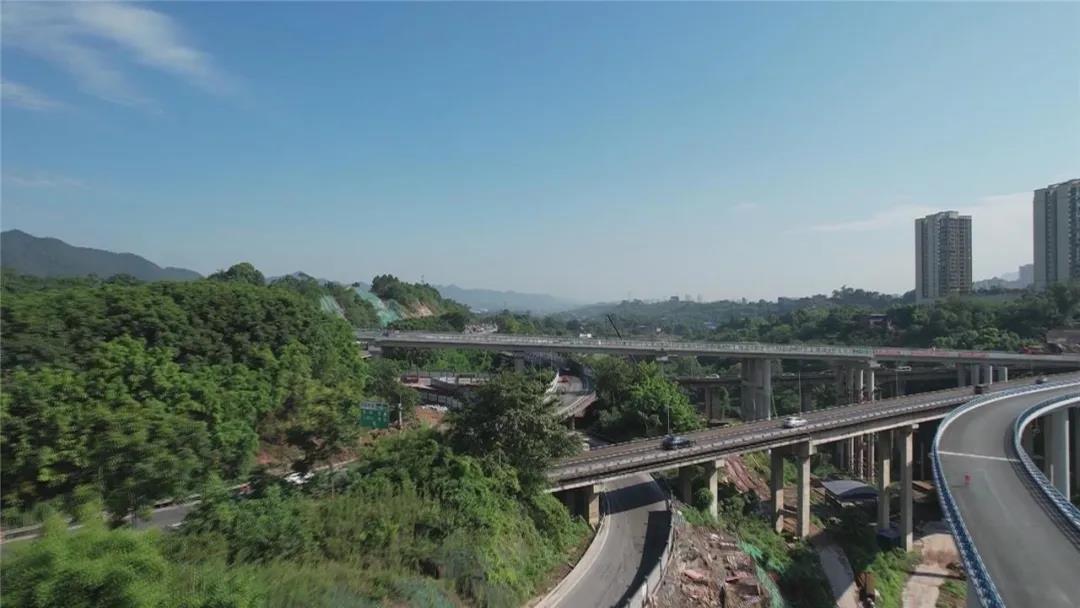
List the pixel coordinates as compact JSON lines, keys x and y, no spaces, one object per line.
{"x":854,"y":531}
{"x":952,"y":594}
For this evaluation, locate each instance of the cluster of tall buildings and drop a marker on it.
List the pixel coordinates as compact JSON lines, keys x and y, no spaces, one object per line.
{"x":943,"y":244}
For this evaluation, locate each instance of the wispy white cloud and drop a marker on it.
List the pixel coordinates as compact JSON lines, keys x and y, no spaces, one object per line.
{"x":97,"y":43}
{"x":41,"y":179}
{"x":28,"y":98}
{"x":1001,"y":228}
{"x":891,"y":217}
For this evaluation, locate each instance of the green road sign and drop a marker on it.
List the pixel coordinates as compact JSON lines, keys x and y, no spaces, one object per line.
{"x":374,"y":415}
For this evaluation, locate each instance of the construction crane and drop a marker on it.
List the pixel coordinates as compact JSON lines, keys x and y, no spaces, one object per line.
{"x":611,"y":319}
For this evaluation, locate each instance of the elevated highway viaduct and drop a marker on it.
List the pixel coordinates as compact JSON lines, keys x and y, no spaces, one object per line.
{"x":854,"y":366}
{"x":891,"y":422}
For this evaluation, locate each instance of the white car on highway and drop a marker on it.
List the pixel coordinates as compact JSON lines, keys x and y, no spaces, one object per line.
{"x":794,"y":422}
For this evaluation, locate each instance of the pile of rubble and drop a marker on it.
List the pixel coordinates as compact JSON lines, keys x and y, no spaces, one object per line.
{"x":707,"y":568}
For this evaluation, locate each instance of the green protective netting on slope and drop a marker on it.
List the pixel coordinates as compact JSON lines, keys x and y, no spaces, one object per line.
{"x":386,"y":315}
{"x":776,"y":599}
{"x":329,"y":304}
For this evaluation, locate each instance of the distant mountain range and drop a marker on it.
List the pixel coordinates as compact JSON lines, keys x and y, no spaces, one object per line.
{"x":493,"y":301}
{"x":49,"y":257}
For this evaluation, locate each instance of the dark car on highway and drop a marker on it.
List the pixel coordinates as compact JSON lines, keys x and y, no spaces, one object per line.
{"x":676,"y":442}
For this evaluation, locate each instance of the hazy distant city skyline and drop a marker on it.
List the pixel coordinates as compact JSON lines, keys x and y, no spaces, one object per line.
{"x":581,"y":150}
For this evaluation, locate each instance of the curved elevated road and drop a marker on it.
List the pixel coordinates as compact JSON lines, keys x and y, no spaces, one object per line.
{"x":1031,"y":554}
{"x":637,"y":526}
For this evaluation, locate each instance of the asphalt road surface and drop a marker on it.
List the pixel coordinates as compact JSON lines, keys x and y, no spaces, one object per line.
{"x":638,"y":521}
{"x":1029,"y":551}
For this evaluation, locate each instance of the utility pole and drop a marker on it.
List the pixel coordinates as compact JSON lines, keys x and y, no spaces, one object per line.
{"x":668,"y":418}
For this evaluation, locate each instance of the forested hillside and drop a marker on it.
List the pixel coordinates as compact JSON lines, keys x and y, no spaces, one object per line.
{"x":116,"y":394}
{"x":146,"y":390}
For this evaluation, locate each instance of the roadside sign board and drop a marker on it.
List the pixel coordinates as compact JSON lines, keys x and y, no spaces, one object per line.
{"x":374,"y":415}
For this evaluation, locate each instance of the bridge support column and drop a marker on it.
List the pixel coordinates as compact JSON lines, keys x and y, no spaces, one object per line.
{"x":961,"y":375}
{"x":712,"y":476}
{"x":802,"y":464}
{"x":871,"y":385}
{"x":987,"y":374}
{"x":860,"y":387}
{"x":709,"y":415}
{"x":884,"y":463}
{"x":974,"y":376}
{"x":590,"y":505}
{"x":1003,"y":373}
{"x":776,"y":488}
{"x":755,"y":394}
{"x":871,"y":456}
{"x":904,"y":435}
{"x":685,"y":475}
{"x":1058,"y":450}
{"x":849,"y":454}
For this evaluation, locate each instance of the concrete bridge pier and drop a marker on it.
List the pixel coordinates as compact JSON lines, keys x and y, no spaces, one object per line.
{"x":755,"y":393}
{"x":871,"y":384}
{"x":683,"y":491}
{"x":904,"y":436}
{"x":961,"y":375}
{"x":1057,"y":450}
{"x":974,"y":375}
{"x":803,"y":451}
{"x":1002,"y":373}
{"x":583,"y":502}
{"x":987,"y":374}
{"x":884,"y":464}
{"x":712,"y":477}
{"x":776,"y":488}
{"x":714,"y":403}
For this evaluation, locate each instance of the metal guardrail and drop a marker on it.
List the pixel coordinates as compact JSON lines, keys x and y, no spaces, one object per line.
{"x":1059,"y":500}
{"x":979,"y":577}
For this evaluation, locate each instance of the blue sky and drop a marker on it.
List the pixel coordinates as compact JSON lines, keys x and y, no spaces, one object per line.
{"x":593,"y":151}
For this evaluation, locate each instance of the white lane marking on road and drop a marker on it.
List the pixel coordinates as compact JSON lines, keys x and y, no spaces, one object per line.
{"x":1001,"y":458}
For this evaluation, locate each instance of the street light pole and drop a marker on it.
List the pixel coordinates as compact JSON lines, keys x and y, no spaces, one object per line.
{"x":668,"y":418}
{"x":800,"y":388}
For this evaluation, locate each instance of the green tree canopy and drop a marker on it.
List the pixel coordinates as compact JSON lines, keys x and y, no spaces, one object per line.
{"x":510,"y":421}
{"x":244,"y":272}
